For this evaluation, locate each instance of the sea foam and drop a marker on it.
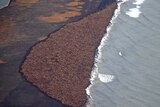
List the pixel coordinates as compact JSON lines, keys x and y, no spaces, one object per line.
{"x":138,"y":2}
{"x":135,"y":12}
{"x":95,"y":74}
{"x":105,"y":78}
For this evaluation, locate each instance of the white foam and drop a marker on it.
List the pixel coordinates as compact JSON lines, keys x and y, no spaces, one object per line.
{"x":94,"y":73}
{"x":138,"y":2}
{"x":88,"y":90}
{"x":120,"y":53}
{"x":133,"y":12}
{"x":105,"y":78}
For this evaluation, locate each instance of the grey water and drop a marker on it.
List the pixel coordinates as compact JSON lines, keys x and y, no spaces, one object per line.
{"x":4,"y":3}
{"x":132,"y":55}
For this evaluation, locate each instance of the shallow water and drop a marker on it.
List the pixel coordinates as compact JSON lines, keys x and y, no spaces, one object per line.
{"x":131,"y":54}
{"x":4,"y":3}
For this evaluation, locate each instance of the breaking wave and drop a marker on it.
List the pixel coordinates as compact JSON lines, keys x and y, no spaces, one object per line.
{"x":95,"y":74}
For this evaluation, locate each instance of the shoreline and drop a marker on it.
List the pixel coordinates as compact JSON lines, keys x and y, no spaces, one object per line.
{"x":36,"y":78}
{"x":6,"y":4}
{"x":18,"y":33}
{"x":14,"y":61}
{"x":95,"y":73}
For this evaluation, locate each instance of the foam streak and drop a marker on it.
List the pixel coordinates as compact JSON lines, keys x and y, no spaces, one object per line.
{"x":94,"y":73}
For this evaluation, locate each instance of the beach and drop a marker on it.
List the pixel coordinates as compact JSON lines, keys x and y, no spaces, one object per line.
{"x":21,"y":30}
{"x":61,"y":65}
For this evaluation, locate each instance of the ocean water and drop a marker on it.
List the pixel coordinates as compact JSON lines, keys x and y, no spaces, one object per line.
{"x":4,"y":3}
{"x":127,"y":65}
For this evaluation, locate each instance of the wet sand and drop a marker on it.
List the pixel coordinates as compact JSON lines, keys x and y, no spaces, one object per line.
{"x":22,"y":24}
{"x":61,"y":64}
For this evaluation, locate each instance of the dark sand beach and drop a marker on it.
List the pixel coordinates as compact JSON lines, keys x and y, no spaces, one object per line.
{"x":22,"y":25}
